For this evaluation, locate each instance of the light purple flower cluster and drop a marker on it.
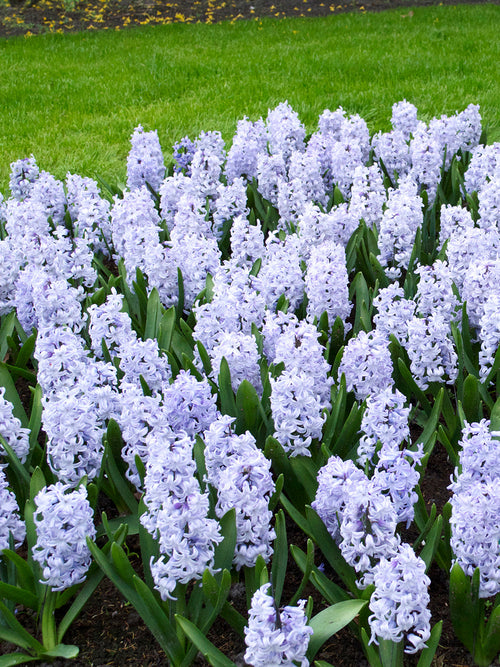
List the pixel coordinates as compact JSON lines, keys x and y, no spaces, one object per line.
{"x":63,"y":520}
{"x":11,"y":430}
{"x":270,"y":644}
{"x":326,"y":283}
{"x":241,"y":474}
{"x":366,"y":364}
{"x":475,"y":518}
{"x":11,"y":525}
{"x":23,"y":174}
{"x":176,"y":512}
{"x":399,"y":603}
{"x":145,"y":164}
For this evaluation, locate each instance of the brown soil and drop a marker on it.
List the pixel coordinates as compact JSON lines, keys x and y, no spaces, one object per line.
{"x":32,"y":17}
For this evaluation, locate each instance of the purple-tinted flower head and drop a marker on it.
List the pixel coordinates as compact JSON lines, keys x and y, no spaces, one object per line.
{"x":327,"y":283}
{"x":249,"y":142}
{"x":404,"y":118}
{"x":11,"y":525}
{"x":394,"y":312}
{"x":385,"y":420}
{"x":453,"y":219}
{"x":368,"y":529}
{"x":335,"y":480}
{"x":242,"y":356}
{"x":190,"y":404}
{"x":49,"y":192}
{"x":285,"y":131}
{"x":145,"y":160}
{"x":398,"y":226}
{"x":426,"y":153}
{"x":247,"y":241}
{"x":270,"y":644}
{"x":246,"y":484}
{"x":489,"y":204}
{"x":11,"y":430}
{"x":231,"y":201}
{"x":183,"y":155}
{"x":281,"y":272}
{"x":392,"y":149}
{"x":399,"y":603}
{"x":431,"y":350}
{"x":63,"y":520}
{"x":368,"y":195}
{"x":297,"y":411}
{"x":435,"y":293}
{"x":89,"y":212}
{"x":367,"y":364}
{"x":176,"y":512}
{"x":484,"y":163}
{"x":23,"y":174}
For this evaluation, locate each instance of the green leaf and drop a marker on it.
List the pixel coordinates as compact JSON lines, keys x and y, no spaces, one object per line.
{"x":227,"y":400}
{"x":432,"y":543}
{"x":409,"y":387}
{"x":328,"y":589}
{"x":18,"y":595}
{"x":426,"y":437}
{"x":153,"y":315}
{"x":331,"y":551}
{"x":16,"y":658}
{"x":67,"y":651}
{"x":224,"y":551}
{"x":215,"y":657}
{"x":427,"y":654}
{"x":370,"y":651}
{"x":391,"y":653}
{"x":281,"y":465}
{"x":490,"y":646}
{"x":460,"y":607}
{"x":22,"y":636}
{"x":330,"y":621}
{"x":24,"y":573}
{"x":11,"y":394}
{"x":121,"y":573}
{"x":280,"y":557}
{"x":166,"y":329}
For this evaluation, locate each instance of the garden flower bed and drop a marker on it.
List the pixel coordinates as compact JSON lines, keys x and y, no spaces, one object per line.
{"x":253,"y":397}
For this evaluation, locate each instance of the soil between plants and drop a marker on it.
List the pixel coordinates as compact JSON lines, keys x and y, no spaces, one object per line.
{"x":33,"y":17}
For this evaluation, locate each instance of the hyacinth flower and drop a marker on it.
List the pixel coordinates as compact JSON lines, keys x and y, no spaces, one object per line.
{"x":271,"y":642}
{"x":475,"y":541}
{"x":59,"y":520}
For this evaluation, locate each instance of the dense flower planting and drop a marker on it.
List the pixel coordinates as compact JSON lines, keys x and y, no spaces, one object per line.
{"x":284,"y":328}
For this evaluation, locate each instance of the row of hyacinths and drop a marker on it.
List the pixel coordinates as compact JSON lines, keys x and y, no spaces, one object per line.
{"x":263,"y":232}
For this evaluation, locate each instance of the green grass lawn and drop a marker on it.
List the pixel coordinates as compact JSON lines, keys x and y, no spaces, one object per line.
{"x":74,"y":100}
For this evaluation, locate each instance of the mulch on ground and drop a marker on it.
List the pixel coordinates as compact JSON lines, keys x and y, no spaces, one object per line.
{"x":33,"y":17}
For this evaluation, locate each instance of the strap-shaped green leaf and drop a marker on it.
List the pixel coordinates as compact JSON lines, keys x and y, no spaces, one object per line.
{"x":329,"y":621}
{"x":280,"y":557}
{"x":19,"y":595}
{"x":16,"y":658}
{"x":227,"y":400}
{"x":154,"y":314}
{"x":22,"y":636}
{"x":214,"y":656}
{"x":428,"y":653}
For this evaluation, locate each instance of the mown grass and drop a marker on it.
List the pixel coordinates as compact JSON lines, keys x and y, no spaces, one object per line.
{"x":73,"y":100}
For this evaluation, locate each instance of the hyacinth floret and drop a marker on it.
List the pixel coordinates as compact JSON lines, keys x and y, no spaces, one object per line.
{"x":385,"y":420}
{"x":431,"y":350}
{"x":326,"y":283}
{"x":23,"y":173}
{"x":183,"y":155}
{"x":249,"y":142}
{"x":246,"y":484}
{"x":394,"y":312}
{"x":404,"y":118}
{"x":368,"y":529}
{"x":11,"y":430}
{"x":63,"y":520}
{"x":366,"y":364}
{"x":190,"y":404}
{"x":335,"y":480}
{"x":399,"y":603}
{"x":176,"y":512}
{"x":269,"y":644}
{"x":11,"y":525}
{"x":145,"y":160}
